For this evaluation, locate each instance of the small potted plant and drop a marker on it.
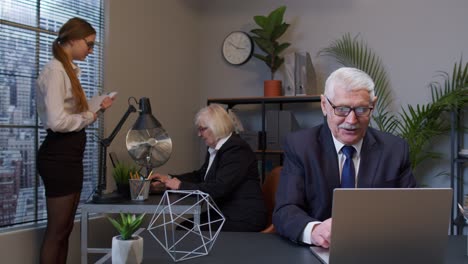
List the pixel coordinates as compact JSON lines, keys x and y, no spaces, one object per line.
{"x":126,"y":247}
{"x":122,"y":173}
{"x":266,"y":37}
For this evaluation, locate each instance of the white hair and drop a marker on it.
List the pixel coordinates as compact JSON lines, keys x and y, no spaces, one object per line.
{"x":216,"y":118}
{"x":350,"y":79}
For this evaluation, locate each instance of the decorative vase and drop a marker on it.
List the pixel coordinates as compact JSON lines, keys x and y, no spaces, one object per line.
{"x":127,"y":251}
{"x":272,"y":88}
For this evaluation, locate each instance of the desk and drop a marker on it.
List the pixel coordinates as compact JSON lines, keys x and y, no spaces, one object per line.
{"x":137,"y":207}
{"x":256,"y":248}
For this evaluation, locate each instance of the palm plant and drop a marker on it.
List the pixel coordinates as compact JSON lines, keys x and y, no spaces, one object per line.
{"x":353,"y":52}
{"x":419,"y":124}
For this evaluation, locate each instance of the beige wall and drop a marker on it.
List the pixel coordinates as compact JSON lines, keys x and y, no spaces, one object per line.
{"x":152,"y":51}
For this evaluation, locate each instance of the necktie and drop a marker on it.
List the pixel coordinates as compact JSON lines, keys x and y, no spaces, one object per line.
{"x":348,"y":174}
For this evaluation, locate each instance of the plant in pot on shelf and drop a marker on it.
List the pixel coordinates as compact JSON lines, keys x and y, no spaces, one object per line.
{"x":127,"y":248}
{"x":122,"y":173}
{"x":266,"y":37}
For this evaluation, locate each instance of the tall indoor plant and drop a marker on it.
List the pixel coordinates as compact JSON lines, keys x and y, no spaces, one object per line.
{"x":266,"y":37}
{"x":127,"y":247}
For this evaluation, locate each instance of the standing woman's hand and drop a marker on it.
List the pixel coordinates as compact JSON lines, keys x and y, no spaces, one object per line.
{"x":106,"y":103}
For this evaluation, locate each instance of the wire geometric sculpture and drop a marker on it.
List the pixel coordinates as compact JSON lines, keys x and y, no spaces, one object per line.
{"x":186,"y":242}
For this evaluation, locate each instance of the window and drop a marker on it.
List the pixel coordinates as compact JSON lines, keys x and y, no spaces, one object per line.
{"x":27,"y":29}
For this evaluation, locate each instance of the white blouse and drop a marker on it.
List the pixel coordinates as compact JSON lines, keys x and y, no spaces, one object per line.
{"x":56,"y":105}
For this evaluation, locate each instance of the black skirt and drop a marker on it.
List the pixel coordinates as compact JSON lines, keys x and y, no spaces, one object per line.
{"x":60,"y":162}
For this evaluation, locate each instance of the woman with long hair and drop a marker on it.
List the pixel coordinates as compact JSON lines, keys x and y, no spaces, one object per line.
{"x":64,"y":112}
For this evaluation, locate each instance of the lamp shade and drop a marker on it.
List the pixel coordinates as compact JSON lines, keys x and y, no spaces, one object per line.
{"x":147,"y":142}
{"x":145,"y":119}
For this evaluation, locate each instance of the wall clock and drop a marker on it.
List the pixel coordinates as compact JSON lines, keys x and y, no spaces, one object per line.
{"x":237,"y":48}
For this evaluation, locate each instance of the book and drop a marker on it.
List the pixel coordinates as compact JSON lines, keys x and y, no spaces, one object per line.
{"x":95,"y":102}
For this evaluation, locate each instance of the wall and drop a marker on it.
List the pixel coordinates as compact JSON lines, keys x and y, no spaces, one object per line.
{"x":170,"y":51}
{"x":152,"y":51}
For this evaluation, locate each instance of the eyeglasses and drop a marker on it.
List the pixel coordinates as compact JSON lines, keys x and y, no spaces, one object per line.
{"x":202,"y":129}
{"x":345,"y":110}
{"x":90,"y":44}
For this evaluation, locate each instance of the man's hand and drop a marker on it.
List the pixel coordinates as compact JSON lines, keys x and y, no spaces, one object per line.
{"x":321,"y":234}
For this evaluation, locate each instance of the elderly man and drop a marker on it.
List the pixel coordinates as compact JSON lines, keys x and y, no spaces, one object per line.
{"x":343,"y":152}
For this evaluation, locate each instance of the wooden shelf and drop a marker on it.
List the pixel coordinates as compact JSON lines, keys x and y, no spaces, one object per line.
{"x":264,"y":100}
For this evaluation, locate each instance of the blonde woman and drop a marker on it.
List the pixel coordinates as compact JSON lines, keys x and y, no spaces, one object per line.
{"x":229,"y":174}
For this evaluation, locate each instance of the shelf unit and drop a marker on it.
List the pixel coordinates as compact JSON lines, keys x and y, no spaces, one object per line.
{"x":263,"y":101}
{"x":457,"y":171}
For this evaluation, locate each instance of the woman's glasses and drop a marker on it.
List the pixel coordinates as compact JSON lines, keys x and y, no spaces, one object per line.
{"x":90,"y":44}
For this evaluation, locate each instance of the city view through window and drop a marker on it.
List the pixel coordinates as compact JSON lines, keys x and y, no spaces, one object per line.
{"x":27,"y":30}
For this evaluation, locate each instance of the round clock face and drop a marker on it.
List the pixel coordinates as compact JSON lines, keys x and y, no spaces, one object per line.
{"x":237,"y":48}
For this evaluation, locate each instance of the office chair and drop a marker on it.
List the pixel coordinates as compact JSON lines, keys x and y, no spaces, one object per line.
{"x":269,"y":191}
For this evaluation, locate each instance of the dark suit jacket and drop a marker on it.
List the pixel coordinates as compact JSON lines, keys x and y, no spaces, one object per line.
{"x":234,"y":185}
{"x":311,"y":173}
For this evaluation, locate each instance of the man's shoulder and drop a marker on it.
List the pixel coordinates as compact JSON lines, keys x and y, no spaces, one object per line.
{"x":385,"y":136}
{"x":307,"y":132}
{"x":306,"y":136}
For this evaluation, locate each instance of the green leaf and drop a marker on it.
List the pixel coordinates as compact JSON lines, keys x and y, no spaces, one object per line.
{"x":272,"y":27}
{"x":278,"y":31}
{"x":261,"y":21}
{"x":129,"y":223}
{"x":276,"y":16}
{"x":260,"y":33}
{"x":265,"y":45}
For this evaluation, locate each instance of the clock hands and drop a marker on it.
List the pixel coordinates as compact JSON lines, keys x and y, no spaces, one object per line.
{"x":235,"y":46}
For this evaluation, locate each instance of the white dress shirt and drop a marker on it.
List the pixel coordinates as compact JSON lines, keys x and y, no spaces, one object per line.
{"x":56,"y":105}
{"x":306,"y":234}
{"x":213,"y":151}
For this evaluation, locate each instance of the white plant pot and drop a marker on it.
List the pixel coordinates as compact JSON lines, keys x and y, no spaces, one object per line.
{"x":127,"y":251}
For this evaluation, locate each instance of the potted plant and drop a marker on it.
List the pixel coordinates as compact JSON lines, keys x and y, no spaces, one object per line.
{"x":126,"y":247}
{"x":266,"y":37}
{"x":122,"y":173}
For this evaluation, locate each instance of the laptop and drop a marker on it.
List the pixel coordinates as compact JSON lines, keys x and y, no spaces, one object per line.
{"x":388,"y":226}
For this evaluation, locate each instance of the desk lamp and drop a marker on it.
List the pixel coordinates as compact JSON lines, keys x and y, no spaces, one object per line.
{"x":147,"y":143}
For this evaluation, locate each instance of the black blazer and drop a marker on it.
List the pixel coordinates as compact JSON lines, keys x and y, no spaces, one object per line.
{"x":311,"y":173}
{"x":233,"y":183}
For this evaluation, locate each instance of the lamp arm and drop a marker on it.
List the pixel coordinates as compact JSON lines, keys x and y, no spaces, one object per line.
{"x":107,"y":141}
{"x":104,"y":144}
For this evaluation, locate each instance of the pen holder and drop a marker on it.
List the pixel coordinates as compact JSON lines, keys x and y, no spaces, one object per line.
{"x":139,"y":189}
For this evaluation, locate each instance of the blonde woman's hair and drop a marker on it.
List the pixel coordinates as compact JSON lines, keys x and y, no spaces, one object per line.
{"x":216,"y":118}
{"x":74,"y":29}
